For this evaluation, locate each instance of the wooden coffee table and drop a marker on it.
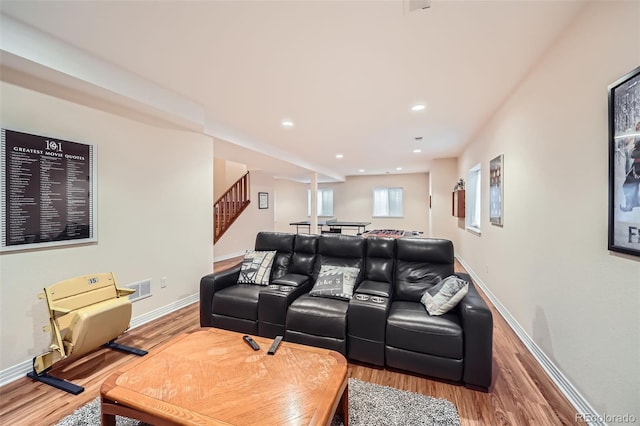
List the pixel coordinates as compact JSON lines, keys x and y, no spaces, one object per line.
{"x":213,"y":377}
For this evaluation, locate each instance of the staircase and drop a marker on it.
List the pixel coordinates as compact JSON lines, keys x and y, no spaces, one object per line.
{"x":229,"y":206}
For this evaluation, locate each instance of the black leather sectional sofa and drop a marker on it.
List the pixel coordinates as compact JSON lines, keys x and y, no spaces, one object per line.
{"x":383,"y":324}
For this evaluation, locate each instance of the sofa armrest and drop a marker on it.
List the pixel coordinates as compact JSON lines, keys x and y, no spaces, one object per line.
{"x":273,"y":304}
{"x":366,"y":323}
{"x":374,"y":288}
{"x":211,"y":283}
{"x":477,"y":323}
{"x":292,"y":280}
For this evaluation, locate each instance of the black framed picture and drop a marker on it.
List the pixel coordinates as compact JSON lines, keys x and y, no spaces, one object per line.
{"x":624,"y":164}
{"x":263,"y":200}
{"x":47,"y":192}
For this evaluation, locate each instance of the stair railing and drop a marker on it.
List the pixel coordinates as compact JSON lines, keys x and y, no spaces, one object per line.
{"x":229,"y":206}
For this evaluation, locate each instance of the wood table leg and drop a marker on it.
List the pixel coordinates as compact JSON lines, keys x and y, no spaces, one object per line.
{"x":343,"y":406}
{"x":108,"y":419}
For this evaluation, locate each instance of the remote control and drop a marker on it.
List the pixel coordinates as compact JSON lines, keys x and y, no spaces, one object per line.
{"x":274,"y":345}
{"x":251,"y":342}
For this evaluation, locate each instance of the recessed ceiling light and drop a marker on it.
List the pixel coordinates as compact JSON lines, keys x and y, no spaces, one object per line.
{"x":418,"y":107}
{"x":416,"y":151}
{"x":361,"y":170}
{"x":287,"y":123}
{"x":398,"y":168}
{"x":339,"y":156}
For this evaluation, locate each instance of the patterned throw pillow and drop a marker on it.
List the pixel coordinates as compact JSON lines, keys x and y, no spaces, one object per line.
{"x":335,"y":282}
{"x":256,"y":267}
{"x":442,"y":297}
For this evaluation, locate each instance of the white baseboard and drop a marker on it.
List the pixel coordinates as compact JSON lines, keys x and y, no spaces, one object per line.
{"x":20,"y":370}
{"x":15,"y":372}
{"x":566,"y":387}
{"x":164,"y":310}
{"x":228,"y":256}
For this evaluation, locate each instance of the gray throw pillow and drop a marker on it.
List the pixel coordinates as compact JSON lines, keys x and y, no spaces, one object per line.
{"x":442,"y":297}
{"x":256,"y":267}
{"x":335,"y":282}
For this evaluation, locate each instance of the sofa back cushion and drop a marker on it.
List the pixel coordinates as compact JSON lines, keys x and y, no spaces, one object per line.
{"x":341,"y":250}
{"x":421,"y":263}
{"x":380,"y":259}
{"x":305,"y":250}
{"x":282,"y":243}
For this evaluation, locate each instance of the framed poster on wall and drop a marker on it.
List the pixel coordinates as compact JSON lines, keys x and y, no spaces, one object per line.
{"x":496,"y":190}
{"x":48,"y":192}
{"x":624,"y":164}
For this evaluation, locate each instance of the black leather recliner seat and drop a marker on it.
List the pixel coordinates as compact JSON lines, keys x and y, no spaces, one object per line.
{"x":322,"y":321}
{"x":383,"y":324}
{"x":456,"y":346}
{"x":226,"y":304}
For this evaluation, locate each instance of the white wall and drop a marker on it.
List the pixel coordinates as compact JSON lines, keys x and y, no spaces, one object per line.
{"x":290,"y":204}
{"x":155,"y":198}
{"x":226,"y":173}
{"x":442,"y":179}
{"x":353,"y":201}
{"x":219,"y":178}
{"x":549,"y":265}
{"x":233,"y":172}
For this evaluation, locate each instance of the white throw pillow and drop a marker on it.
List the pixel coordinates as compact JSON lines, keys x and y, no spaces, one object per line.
{"x":442,"y":297}
{"x":336,"y":282}
{"x":256,"y":267}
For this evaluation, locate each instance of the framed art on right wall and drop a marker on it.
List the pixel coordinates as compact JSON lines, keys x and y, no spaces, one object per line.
{"x":496,"y":190}
{"x":624,"y":164}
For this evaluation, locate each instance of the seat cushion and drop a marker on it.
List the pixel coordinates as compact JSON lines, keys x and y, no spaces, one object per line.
{"x":238,"y":301}
{"x":410,"y":327}
{"x":95,"y":325}
{"x":318,"y":316}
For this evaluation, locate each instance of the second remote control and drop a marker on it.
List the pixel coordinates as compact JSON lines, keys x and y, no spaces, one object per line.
{"x":274,"y":345}
{"x":251,"y":342}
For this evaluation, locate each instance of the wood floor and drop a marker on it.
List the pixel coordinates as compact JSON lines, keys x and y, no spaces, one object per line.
{"x":521,"y":394}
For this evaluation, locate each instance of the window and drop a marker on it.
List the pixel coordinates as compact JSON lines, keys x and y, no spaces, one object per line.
{"x":387,"y":202}
{"x":473,"y":196}
{"x":325,"y":202}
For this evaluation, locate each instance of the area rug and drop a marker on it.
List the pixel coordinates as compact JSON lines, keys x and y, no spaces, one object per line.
{"x":369,"y":405}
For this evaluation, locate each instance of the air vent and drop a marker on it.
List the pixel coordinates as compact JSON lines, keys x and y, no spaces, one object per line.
{"x":142,"y":290}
